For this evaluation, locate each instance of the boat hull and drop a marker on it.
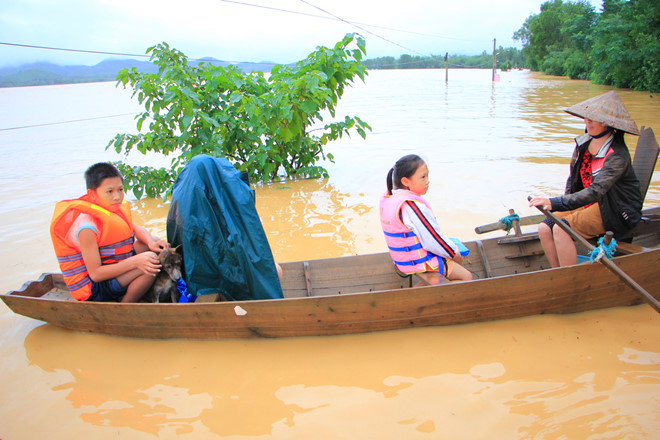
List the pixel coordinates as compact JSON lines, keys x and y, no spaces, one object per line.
{"x":554,"y":291}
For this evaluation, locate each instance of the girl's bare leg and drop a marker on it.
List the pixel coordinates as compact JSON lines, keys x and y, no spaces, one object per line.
{"x":459,"y":273}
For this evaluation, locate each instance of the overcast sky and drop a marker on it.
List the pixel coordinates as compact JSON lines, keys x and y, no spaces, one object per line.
{"x":255,"y":30}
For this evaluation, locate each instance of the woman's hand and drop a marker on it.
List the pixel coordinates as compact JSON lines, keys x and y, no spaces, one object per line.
{"x":542,"y":202}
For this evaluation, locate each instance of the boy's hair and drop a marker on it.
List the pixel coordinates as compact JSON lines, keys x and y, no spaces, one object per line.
{"x":404,"y":167}
{"x":99,"y":171}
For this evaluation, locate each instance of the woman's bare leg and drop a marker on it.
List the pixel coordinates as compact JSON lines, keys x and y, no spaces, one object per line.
{"x":548,"y":244}
{"x":565,"y":246}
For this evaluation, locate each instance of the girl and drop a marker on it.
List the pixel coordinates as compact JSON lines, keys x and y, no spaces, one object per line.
{"x":411,"y":230}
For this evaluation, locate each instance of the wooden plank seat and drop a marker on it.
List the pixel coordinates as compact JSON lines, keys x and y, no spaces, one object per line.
{"x":646,"y":156}
{"x":421,"y":278}
{"x":519,"y":239}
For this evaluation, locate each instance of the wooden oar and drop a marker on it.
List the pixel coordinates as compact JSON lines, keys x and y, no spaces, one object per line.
{"x":524,"y":221}
{"x":606,"y":261}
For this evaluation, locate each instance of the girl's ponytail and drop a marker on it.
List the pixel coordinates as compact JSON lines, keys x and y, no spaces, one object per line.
{"x":389,"y":181}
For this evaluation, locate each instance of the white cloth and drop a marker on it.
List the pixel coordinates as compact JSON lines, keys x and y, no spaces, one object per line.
{"x":432,"y":241}
{"x":84,"y":221}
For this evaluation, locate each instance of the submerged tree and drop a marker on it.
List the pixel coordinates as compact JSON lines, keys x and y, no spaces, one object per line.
{"x":263,"y":125}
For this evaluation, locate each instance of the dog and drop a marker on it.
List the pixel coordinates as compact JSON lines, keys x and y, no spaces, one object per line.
{"x":164,"y":289}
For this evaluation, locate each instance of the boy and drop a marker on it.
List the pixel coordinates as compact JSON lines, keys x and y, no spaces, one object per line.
{"x":94,"y":236}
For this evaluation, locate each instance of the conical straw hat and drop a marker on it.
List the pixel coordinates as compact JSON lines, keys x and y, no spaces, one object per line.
{"x":608,"y":109}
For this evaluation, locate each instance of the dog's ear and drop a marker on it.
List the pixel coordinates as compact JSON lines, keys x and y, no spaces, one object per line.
{"x":178,"y":249}
{"x":164,"y":254}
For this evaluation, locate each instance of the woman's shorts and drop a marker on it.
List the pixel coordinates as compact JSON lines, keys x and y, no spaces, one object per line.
{"x":586,"y":221}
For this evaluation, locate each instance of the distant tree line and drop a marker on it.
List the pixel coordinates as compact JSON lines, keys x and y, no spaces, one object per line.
{"x":506,"y":59}
{"x":618,"y":47}
{"x":42,"y":77}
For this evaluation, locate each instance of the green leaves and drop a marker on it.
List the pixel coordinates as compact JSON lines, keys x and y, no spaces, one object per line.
{"x":619,"y":47}
{"x":626,"y":45}
{"x":263,"y":126}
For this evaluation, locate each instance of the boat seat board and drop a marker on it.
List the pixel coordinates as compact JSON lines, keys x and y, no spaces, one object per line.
{"x":506,"y":258}
{"x":646,"y":156}
{"x":429,"y":279}
{"x":59,"y":295}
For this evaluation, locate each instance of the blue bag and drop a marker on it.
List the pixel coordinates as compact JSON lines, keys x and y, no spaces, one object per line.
{"x":462,"y":249}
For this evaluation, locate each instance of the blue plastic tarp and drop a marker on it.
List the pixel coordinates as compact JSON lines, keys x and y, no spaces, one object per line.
{"x":225,"y":250}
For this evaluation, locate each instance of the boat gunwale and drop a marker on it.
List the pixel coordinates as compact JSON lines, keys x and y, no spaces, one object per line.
{"x":452,"y":303}
{"x":56,"y":278}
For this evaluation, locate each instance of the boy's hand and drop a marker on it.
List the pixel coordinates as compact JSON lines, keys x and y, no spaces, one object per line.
{"x":458,"y":258}
{"x":148,"y":263}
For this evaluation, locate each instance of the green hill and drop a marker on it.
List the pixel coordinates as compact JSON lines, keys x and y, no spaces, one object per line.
{"x":38,"y":74}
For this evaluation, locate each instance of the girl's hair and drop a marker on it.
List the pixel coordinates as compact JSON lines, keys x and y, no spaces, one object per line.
{"x":99,"y":171}
{"x":404,"y":167}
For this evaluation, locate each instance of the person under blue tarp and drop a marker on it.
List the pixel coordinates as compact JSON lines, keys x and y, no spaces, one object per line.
{"x":225,"y":249}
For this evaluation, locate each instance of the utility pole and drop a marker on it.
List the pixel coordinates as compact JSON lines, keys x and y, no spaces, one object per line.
{"x":494,"y":60}
{"x":446,"y":68}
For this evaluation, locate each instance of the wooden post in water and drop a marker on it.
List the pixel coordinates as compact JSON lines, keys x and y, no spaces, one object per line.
{"x":494,"y":60}
{"x":446,"y":68}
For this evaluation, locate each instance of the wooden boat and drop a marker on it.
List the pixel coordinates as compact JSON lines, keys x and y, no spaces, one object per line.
{"x":364,"y":293}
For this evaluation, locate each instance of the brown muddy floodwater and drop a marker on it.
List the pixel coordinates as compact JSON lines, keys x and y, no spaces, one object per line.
{"x":488,"y":145}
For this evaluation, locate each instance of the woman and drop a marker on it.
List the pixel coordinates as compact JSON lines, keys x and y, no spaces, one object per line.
{"x":602,"y":190}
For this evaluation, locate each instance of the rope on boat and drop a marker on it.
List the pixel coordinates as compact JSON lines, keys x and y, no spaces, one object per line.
{"x":508,"y":221}
{"x":603,"y":250}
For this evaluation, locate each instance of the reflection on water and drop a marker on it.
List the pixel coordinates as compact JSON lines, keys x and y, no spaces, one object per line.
{"x":519,"y":379}
{"x":303,"y":220}
{"x":488,"y":146}
{"x":309,"y":219}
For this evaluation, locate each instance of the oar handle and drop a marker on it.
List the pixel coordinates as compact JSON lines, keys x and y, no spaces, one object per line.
{"x":606,"y":261}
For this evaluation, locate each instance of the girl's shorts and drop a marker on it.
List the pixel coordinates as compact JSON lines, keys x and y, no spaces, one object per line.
{"x":448,"y":267}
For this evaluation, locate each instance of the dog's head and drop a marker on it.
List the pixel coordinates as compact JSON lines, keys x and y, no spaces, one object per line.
{"x":171,"y":260}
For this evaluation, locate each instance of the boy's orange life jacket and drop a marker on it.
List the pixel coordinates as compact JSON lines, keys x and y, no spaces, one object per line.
{"x":115,"y":239}
{"x":407,"y":252}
